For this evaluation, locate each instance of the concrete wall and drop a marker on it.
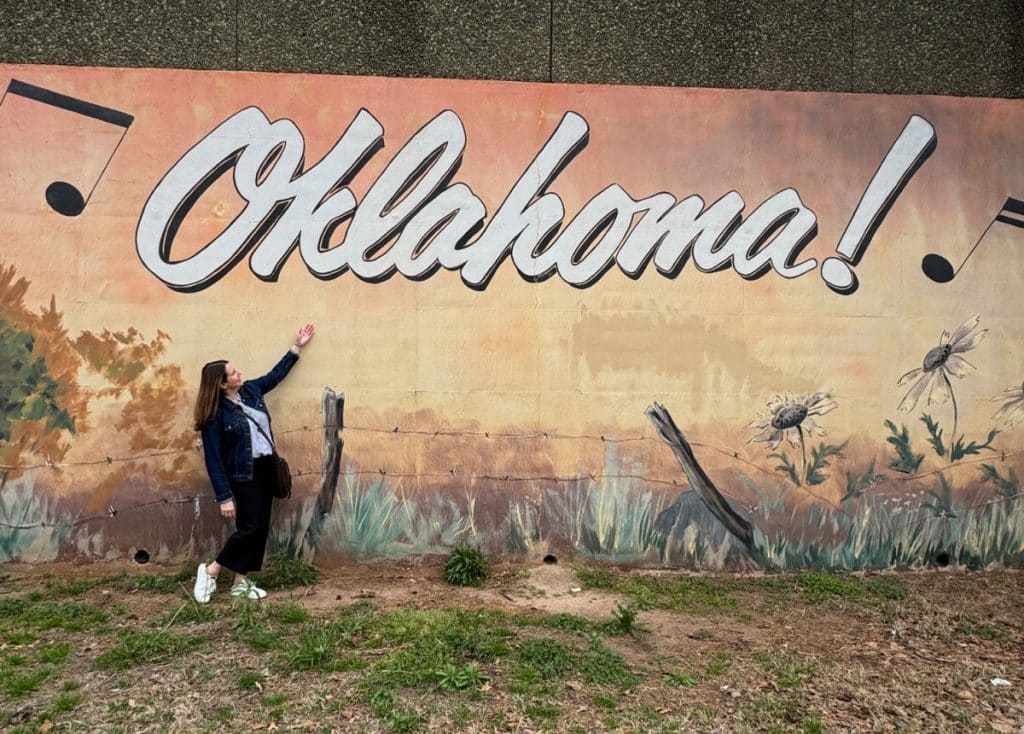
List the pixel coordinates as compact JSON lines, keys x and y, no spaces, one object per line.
{"x":954,"y":47}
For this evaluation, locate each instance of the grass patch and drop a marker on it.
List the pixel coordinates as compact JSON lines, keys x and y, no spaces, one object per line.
{"x":19,"y":682}
{"x":261,"y":638}
{"x":142,"y":647}
{"x":283,"y":572}
{"x":543,"y":713}
{"x":564,"y":622}
{"x":602,"y":666}
{"x":54,"y":654}
{"x":787,"y":671}
{"x":821,"y":586}
{"x":189,"y":613}
{"x":543,"y":659}
{"x":718,"y":664}
{"x":20,"y":614}
{"x":65,"y":702}
{"x":158,"y":583}
{"x":251,"y":681}
{"x":982,"y":631}
{"x":318,"y":649}
{"x":288,"y":612}
{"x":785,"y":712}
{"x":689,"y":594}
{"x":59,"y":588}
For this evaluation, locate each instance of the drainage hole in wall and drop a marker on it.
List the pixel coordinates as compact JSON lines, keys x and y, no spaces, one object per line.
{"x":142,"y":556}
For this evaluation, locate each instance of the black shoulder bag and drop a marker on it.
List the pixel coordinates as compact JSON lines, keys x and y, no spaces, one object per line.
{"x":282,"y":474}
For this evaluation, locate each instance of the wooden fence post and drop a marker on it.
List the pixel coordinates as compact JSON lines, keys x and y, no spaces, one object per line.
{"x":738,"y":526}
{"x":334,"y":422}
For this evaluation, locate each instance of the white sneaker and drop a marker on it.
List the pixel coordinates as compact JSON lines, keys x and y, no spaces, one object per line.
{"x":205,"y":585}
{"x":249,"y":589}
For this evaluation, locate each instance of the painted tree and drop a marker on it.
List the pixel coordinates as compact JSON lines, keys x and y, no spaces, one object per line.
{"x":44,"y":404}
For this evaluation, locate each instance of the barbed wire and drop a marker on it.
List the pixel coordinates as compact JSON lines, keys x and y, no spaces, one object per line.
{"x":456,"y":472}
{"x":492,"y":435}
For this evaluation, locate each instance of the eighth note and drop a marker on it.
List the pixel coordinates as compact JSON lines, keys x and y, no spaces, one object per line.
{"x":64,"y":198}
{"x":939,"y":268}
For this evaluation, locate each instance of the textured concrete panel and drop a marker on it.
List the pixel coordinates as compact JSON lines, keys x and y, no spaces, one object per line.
{"x":190,"y":35}
{"x":960,"y":47}
{"x":397,"y":38}
{"x":764,"y":44}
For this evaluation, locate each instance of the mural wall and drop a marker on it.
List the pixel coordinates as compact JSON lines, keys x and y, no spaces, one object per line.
{"x":665,"y":326}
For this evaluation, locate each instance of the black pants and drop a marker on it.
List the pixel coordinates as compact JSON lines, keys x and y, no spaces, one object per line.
{"x":254,"y":500}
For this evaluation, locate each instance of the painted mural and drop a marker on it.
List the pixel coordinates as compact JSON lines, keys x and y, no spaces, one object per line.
{"x":702,"y":328}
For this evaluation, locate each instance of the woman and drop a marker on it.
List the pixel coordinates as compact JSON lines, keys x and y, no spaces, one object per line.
{"x":238,"y":448}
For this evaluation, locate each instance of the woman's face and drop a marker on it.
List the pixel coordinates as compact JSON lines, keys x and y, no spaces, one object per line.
{"x":232,"y":378}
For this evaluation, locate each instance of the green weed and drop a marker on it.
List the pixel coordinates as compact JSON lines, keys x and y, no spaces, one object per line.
{"x":599,"y":665}
{"x":675,"y":593}
{"x":284,"y":572}
{"x":261,"y":638}
{"x":544,"y":713}
{"x":318,"y":649}
{"x":787,"y":671}
{"x":288,"y":612}
{"x":65,"y":702}
{"x":605,"y":701}
{"x":820,"y":586}
{"x":452,"y":677}
{"x":983,"y":631}
{"x":158,"y":584}
{"x":624,"y":617}
{"x":17,"y":683}
{"x":250,"y":680}
{"x":21,"y":614}
{"x":144,"y":647}
{"x":564,"y":622}
{"x":466,"y":567}
{"x":54,"y":654}
{"x":719,"y":663}
{"x":188,"y":613}
{"x":548,"y":658}
{"x":679,"y":678}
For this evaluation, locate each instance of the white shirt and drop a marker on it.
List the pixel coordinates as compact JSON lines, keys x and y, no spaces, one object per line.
{"x":260,"y":445}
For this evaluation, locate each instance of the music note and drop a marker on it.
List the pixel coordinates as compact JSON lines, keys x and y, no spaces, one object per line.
{"x":63,"y":197}
{"x":941,"y":270}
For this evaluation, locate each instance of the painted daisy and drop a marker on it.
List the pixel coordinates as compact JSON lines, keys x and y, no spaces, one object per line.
{"x":1013,"y":409}
{"x":788,"y":417}
{"x":941,"y":361}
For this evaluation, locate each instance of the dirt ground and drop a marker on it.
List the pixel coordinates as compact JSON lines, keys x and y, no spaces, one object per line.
{"x":937,"y":651}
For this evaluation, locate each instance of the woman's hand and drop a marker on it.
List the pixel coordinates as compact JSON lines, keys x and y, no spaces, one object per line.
{"x":304,"y":335}
{"x":227,"y":509}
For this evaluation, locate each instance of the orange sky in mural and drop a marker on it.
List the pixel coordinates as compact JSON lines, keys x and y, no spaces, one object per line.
{"x":712,"y":347}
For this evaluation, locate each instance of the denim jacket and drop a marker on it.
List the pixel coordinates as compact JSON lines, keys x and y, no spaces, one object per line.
{"x":227,"y":444}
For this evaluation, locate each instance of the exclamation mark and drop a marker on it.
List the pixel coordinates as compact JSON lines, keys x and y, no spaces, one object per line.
{"x":907,"y":154}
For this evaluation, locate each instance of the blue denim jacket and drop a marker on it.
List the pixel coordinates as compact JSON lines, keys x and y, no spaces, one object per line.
{"x":227,"y":445}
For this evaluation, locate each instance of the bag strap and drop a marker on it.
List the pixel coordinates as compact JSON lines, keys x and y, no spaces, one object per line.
{"x":259,"y":428}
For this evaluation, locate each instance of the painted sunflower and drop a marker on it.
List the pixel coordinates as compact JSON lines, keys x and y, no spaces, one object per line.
{"x":941,"y":362}
{"x":1012,"y":411}
{"x":788,"y":417}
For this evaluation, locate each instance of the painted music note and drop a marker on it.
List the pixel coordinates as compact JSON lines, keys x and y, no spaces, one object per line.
{"x":941,"y":270}
{"x":63,"y":197}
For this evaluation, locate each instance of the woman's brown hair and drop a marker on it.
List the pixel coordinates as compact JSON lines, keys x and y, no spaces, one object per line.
{"x":209,"y":392}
